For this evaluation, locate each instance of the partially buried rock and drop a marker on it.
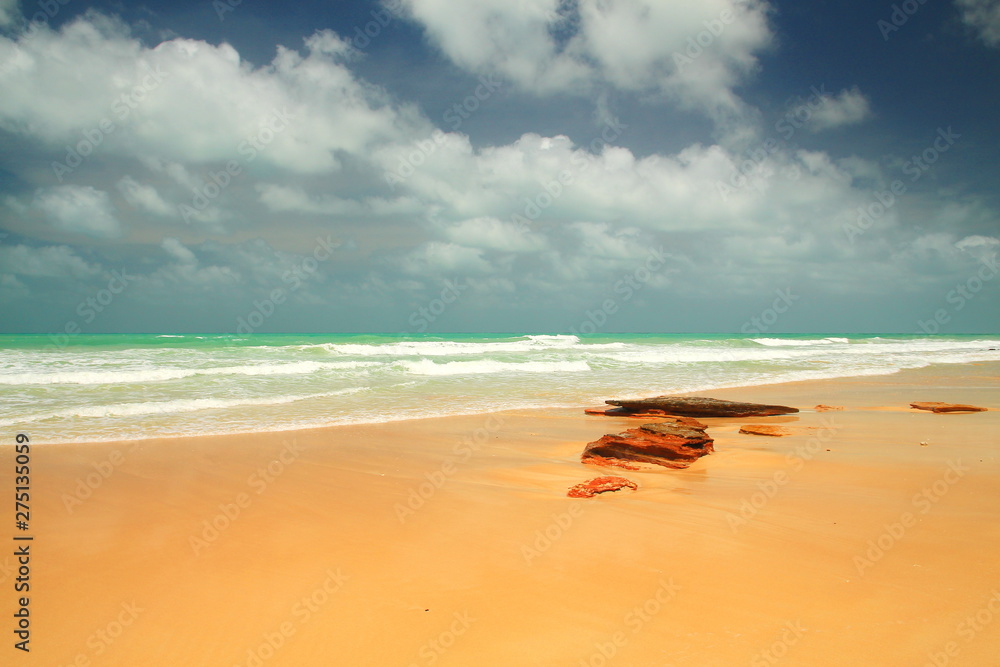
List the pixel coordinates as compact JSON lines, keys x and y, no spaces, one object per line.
{"x":827,"y":408}
{"x":937,"y":406}
{"x":763,"y":429}
{"x":696,"y":406}
{"x":664,"y":444}
{"x":622,"y":412}
{"x":600,"y":485}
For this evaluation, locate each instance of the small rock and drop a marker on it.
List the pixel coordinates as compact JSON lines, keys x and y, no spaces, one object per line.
{"x":937,"y":406}
{"x":600,"y":485}
{"x":827,"y":408}
{"x":764,"y":429}
{"x":622,"y":412}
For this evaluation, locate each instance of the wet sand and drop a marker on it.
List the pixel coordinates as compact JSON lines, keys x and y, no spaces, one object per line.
{"x":452,"y":542}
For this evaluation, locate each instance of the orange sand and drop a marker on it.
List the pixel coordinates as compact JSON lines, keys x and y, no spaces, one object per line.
{"x":452,"y":542}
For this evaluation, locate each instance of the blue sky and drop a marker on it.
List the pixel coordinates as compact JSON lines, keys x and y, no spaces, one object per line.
{"x":500,"y":165}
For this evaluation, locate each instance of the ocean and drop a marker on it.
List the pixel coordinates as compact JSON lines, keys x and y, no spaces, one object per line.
{"x":128,"y":386}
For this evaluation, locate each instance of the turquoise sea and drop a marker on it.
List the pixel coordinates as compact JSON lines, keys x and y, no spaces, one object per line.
{"x":113,"y":387}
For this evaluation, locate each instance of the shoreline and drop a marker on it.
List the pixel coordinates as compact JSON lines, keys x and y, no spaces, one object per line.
{"x":450,"y":541}
{"x":932,"y":369}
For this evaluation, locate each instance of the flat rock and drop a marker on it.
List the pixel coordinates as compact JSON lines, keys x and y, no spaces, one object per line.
{"x":764,"y":429}
{"x":662,"y":444}
{"x":696,"y":406}
{"x":937,"y":406}
{"x":622,"y":412}
{"x":600,"y":485}
{"x":827,"y":408}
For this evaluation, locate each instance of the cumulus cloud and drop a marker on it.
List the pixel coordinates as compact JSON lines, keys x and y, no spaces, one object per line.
{"x":846,"y":108}
{"x":983,"y":16}
{"x":55,"y":261}
{"x":79,"y":210}
{"x":145,"y":197}
{"x":696,"y":50}
{"x":186,"y":101}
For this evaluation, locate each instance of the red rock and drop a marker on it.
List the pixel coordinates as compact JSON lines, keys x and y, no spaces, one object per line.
{"x":937,"y":406}
{"x":827,"y":408}
{"x":764,"y":429}
{"x":696,"y":406}
{"x":600,"y":485}
{"x":622,"y":412}
{"x":663,"y":444}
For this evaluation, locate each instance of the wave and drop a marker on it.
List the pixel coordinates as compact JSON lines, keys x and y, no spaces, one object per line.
{"x":166,"y":374}
{"x":428,"y":367}
{"x":177,"y":406}
{"x":445,"y":348}
{"x":785,"y":342}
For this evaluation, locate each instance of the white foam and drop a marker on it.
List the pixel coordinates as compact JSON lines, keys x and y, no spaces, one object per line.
{"x":786,"y":342}
{"x":165,"y":374}
{"x":447,"y":348}
{"x":177,"y":406}
{"x":429,"y":367}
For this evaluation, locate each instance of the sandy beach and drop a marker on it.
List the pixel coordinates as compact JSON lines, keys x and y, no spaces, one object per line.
{"x":868,"y":536}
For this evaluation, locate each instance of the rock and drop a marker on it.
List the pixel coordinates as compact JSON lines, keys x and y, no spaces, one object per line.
{"x":622,"y":412}
{"x":663,"y":444}
{"x":764,"y":429}
{"x":827,"y":408}
{"x":696,"y":406}
{"x":937,"y":406}
{"x":600,"y":485}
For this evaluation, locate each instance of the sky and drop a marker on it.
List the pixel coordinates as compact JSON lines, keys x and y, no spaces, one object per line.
{"x":423,"y":166}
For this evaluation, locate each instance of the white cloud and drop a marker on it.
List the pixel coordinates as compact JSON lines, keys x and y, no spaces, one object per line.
{"x":448,"y":259}
{"x":849,"y":107}
{"x":697,"y":50}
{"x":145,"y":197}
{"x":494,"y":234}
{"x":178,"y":251}
{"x":45,"y":262}
{"x":187,"y":101}
{"x":983,"y":16}
{"x":79,"y":210}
